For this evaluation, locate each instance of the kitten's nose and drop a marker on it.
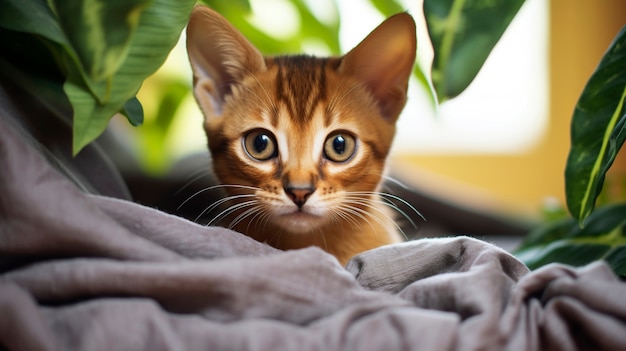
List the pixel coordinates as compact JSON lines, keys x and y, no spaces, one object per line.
{"x":299,"y":195}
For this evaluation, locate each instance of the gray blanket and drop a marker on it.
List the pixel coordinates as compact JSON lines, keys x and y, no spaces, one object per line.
{"x":87,"y":272}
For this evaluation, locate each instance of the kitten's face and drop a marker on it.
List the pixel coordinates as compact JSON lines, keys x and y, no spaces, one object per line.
{"x":302,"y":140}
{"x":309,"y":140}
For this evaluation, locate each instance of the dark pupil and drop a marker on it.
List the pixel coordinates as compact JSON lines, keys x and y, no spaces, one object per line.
{"x":260,"y":142}
{"x":339,"y":144}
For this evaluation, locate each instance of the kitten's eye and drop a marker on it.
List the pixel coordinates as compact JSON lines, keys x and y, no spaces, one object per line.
{"x":260,"y":145}
{"x":339,"y":147}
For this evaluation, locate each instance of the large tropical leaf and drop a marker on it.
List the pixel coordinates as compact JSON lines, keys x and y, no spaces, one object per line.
{"x":99,"y":31}
{"x":462,"y":33}
{"x":105,"y":49}
{"x":42,"y":80}
{"x":32,"y":44}
{"x":597,"y":131}
{"x":157,"y":31}
{"x":33,"y":16}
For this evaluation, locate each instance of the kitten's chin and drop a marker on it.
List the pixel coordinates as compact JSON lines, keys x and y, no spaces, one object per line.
{"x":300,"y":222}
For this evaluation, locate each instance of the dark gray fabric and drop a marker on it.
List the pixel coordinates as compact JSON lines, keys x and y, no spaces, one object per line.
{"x":86,"y":272}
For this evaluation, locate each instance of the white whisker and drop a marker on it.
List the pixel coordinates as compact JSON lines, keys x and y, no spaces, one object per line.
{"x":224,"y":200}
{"x":393,"y":197}
{"x":220,"y":186}
{"x":348,"y":209}
{"x":232,"y":209}
{"x":220,"y":202}
{"x":369,"y":199}
{"x":262,"y":212}
{"x":243,"y":215}
{"x":396,"y":182}
{"x":365,"y":204}
{"x":340,"y":218}
{"x":384,"y":202}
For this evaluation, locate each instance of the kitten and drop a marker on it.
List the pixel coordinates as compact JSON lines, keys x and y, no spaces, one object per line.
{"x":300,"y":142}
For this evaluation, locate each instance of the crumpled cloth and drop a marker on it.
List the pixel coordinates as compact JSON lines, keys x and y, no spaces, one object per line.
{"x":88,"y":272}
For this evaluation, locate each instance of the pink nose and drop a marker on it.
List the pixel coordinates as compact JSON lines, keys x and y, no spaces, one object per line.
{"x":299,"y":195}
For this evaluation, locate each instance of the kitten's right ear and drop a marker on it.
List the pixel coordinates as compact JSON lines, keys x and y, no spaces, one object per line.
{"x":220,"y":56}
{"x":383,"y":62}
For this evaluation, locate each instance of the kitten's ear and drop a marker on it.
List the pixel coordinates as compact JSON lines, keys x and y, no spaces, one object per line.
{"x":220,"y":56}
{"x":383,"y":61}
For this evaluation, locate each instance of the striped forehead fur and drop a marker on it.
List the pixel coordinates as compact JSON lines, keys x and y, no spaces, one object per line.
{"x":300,"y":84}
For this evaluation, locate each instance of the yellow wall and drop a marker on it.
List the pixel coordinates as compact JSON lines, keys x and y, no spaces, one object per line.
{"x":580,"y":32}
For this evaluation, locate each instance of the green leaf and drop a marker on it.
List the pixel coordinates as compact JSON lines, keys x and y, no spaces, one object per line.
{"x":220,"y":6}
{"x":550,"y":232}
{"x":462,"y":34}
{"x":312,"y":27}
{"x":133,"y":111}
{"x":100,"y":31}
{"x":603,"y":221}
{"x":565,"y":252}
{"x":565,"y":242}
{"x":426,"y":84}
{"x":597,"y":131}
{"x":388,"y":7}
{"x":90,"y":117}
{"x":30,"y":64}
{"x":237,"y":13}
{"x":32,"y":16}
{"x":103,"y":50}
{"x":155,"y":35}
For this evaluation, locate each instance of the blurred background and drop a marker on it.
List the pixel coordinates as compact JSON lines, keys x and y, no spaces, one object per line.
{"x":494,"y":156}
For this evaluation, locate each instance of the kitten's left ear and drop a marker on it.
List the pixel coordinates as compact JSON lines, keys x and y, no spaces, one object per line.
{"x":383,"y":61}
{"x":220,"y":56}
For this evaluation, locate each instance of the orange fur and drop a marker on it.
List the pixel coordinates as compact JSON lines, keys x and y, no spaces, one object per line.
{"x":279,"y":129}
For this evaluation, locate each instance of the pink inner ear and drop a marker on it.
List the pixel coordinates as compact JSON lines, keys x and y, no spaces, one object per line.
{"x":205,"y":92}
{"x":383,"y":61}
